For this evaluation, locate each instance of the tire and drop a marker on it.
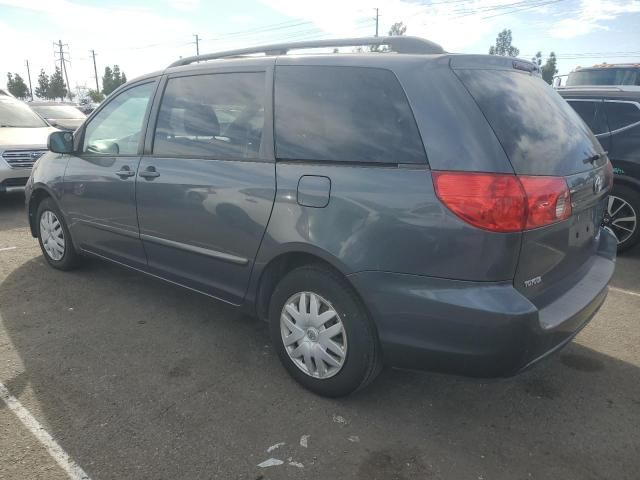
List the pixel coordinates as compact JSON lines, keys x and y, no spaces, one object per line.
{"x":49,"y":216}
{"x":357,"y":340}
{"x":616,"y":209}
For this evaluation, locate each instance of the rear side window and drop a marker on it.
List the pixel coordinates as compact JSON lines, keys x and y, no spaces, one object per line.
{"x":212,"y":116}
{"x":540,"y":133}
{"x":622,"y":114}
{"x":590,"y":112}
{"x":345,"y":114}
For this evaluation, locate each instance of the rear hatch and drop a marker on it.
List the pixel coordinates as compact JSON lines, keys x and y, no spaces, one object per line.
{"x":543,"y":136}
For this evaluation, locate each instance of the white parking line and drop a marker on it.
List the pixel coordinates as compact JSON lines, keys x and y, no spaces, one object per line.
{"x":622,"y":290}
{"x":61,"y":457}
{"x":7,"y":248}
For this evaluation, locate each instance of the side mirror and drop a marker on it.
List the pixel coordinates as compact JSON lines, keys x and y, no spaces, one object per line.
{"x":60,"y":142}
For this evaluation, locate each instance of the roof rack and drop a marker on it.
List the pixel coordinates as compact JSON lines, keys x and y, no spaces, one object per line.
{"x":399,"y":44}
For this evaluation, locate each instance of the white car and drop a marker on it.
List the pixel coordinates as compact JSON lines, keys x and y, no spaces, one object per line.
{"x":23,"y":140}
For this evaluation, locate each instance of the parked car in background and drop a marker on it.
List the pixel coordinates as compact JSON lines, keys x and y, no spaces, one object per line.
{"x":23,"y":140}
{"x":86,"y":106}
{"x":613,"y":114}
{"x":65,"y":116}
{"x":412,"y":207}
{"x":603,"y":74}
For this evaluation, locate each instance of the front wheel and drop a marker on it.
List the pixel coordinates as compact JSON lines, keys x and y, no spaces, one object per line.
{"x":322,"y":333}
{"x":621,"y":216}
{"x":54,"y":237}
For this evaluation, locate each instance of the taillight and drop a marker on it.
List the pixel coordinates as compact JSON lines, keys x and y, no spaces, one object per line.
{"x":548,"y":200}
{"x":494,"y":202}
{"x":504,"y":202}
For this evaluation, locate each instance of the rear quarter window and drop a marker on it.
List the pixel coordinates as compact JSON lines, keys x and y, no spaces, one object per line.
{"x":344,"y":114}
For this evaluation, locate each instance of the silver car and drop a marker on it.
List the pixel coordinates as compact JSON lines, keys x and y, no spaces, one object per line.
{"x":23,"y":140}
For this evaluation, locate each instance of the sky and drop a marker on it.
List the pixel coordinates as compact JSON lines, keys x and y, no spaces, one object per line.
{"x":144,"y":35}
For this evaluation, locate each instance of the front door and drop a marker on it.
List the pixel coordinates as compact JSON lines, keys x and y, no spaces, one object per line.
{"x":100,"y":182}
{"x":206,"y":189}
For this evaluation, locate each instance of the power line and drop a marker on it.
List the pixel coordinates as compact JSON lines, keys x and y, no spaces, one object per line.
{"x":540,"y":4}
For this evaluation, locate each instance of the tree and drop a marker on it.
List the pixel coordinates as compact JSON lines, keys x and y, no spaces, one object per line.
{"x":57,"y":87}
{"x":116,"y":76}
{"x":16,"y":86}
{"x":95,"y":96}
{"x":537,"y":60}
{"x":549,"y":69}
{"x":107,"y":81}
{"x":503,"y":45}
{"x":112,"y":79}
{"x":42,"y":90}
{"x":397,"y":29}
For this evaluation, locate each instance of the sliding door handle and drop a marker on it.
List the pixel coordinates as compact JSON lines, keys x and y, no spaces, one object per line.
{"x":149,"y":173}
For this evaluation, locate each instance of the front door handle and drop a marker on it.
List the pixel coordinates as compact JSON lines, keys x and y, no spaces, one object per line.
{"x":125,"y":172}
{"x":149,"y":173}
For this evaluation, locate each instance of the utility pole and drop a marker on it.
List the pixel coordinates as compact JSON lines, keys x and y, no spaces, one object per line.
{"x":376,"y":18}
{"x":197,"y":43}
{"x":29,"y":75}
{"x":95,"y":70}
{"x":63,"y":65}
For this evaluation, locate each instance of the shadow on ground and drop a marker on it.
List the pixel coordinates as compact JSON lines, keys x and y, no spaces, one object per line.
{"x":138,"y":379}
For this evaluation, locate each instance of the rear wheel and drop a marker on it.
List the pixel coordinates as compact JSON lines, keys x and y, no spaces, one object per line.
{"x":54,"y":237}
{"x":322,"y":333}
{"x":621,"y":217}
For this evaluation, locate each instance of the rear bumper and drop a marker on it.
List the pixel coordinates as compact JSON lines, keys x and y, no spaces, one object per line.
{"x":478,"y":328}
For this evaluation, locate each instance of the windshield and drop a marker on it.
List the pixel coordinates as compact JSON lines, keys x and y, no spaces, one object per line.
{"x":59,"y":111}
{"x":605,"y":76}
{"x":14,"y":113}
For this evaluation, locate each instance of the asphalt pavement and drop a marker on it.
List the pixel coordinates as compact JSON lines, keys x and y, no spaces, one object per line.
{"x":137,"y":379}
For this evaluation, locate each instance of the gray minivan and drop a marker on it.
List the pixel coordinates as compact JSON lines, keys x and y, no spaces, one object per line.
{"x":416,"y":208}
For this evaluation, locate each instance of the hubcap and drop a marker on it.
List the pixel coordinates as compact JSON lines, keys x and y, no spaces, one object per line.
{"x":313,"y":335}
{"x":620,"y":218}
{"x":52,"y":235}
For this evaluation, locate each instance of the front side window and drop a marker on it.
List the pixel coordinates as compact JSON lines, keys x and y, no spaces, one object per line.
{"x":589,"y":111}
{"x":117,"y":128}
{"x":211,"y":116}
{"x":622,"y":114}
{"x":348,"y":114}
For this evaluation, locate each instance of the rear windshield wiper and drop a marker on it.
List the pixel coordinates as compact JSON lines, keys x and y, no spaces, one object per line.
{"x":594,"y":158}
